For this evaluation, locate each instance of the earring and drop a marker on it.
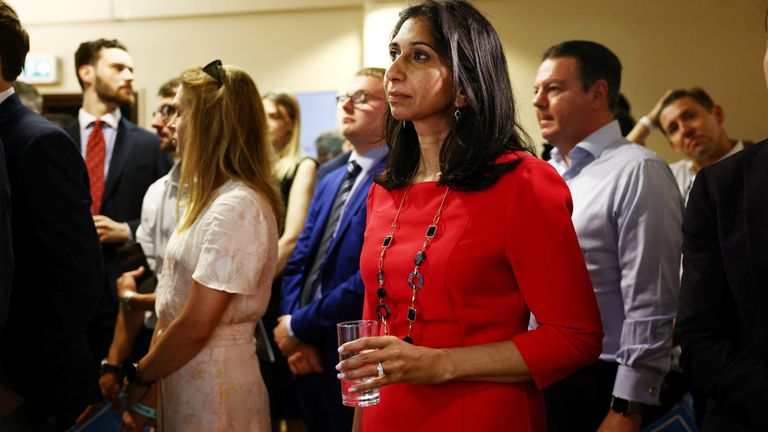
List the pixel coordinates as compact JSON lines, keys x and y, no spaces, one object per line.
{"x":457,"y":114}
{"x":404,"y":124}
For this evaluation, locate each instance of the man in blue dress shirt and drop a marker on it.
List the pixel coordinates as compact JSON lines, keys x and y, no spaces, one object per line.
{"x":627,"y":214}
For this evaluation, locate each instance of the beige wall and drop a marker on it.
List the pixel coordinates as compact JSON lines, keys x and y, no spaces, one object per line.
{"x":304,"y":50}
{"x":715,"y":44}
{"x":309,"y":45}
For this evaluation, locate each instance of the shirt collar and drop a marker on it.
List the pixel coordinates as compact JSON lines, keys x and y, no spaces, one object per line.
{"x":601,"y":139}
{"x":739,"y":146}
{"x":370,"y":158}
{"x":594,"y":144}
{"x":111,"y":119}
{"x":6,"y":94}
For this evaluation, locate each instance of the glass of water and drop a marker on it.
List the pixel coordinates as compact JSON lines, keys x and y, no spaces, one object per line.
{"x":347,"y":332}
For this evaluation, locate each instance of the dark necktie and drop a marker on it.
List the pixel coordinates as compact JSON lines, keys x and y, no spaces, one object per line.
{"x":95,"y":153}
{"x":310,"y":285}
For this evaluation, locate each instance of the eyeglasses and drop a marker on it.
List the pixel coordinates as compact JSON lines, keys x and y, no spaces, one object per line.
{"x":215,"y":71}
{"x":358,"y":98}
{"x":165,"y":112}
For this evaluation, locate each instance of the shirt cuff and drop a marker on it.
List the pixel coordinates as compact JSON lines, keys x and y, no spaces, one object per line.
{"x":130,"y":233}
{"x":290,"y":329}
{"x":638,"y":385}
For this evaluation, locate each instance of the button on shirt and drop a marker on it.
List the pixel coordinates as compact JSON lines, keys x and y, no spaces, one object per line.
{"x":627,"y":212}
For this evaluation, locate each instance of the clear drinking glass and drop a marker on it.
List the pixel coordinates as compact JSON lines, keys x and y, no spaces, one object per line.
{"x":347,"y":332}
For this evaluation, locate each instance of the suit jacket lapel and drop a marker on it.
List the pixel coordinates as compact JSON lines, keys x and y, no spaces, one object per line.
{"x":335,"y":179}
{"x":356,"y":201}
{"x":123,"y":147}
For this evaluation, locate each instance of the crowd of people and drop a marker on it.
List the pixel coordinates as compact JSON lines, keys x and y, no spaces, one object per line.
{"x":193,"y":278}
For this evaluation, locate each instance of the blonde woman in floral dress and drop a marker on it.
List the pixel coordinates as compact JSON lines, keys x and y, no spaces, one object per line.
{"x":219,"y":264}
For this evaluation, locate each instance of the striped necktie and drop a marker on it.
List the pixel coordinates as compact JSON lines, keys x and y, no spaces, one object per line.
{"x":310,"y":285}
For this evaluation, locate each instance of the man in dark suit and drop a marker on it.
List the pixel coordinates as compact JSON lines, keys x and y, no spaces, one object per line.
{"x":722,"y":320}
{"x":321,"y":282}
{"x":44,"y":355}
{"x":122,"y":160}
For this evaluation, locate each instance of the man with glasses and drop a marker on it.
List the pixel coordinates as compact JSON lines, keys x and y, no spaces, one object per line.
{"x":357,"y":98}
{"x":321,"y":282}
{"x":122,"y":160}
{"x":165,"y":109}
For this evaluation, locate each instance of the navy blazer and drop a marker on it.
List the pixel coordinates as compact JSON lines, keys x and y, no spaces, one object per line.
{"x":59,"y":277}
{"x":342,"y":297}
{"x":341,"y":284}
{"x":331,"y":166}
{"x":722,"y":319}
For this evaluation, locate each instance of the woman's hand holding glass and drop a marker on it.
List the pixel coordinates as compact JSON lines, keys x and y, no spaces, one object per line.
{"x":400,"y":362}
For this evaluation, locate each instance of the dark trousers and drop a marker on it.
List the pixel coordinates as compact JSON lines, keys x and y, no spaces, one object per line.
{"x":27,"y":419}
{"x":581,"y":401}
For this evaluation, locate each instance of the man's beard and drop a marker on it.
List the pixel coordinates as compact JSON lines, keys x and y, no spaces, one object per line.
{"x":166,"y":142}
{"x":114,"y":96}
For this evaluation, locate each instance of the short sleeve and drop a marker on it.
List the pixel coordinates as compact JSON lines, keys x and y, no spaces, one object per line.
{"x":235,"y":243}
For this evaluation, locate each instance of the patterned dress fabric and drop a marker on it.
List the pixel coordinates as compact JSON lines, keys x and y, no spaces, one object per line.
{"x":232,"y":247}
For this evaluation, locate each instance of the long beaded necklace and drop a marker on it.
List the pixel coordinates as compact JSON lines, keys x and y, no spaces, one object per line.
{"x":415,"y":278}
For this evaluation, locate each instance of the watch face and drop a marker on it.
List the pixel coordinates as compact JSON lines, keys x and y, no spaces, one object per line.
{"x":130,"y":372}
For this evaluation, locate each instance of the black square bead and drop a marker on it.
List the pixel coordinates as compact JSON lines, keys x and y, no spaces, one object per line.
{"x":419,"y":258}
{"x":387,"y":241}
{"x":408,"y":339}
{"x":381,"y":292}
{"x":411,"y":314}
{"x":431,"y":231}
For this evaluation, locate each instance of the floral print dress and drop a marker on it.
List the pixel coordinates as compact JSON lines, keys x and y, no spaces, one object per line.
{"x":231,"y":247}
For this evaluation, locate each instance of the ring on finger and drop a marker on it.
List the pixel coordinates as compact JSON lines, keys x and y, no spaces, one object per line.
{"x":379,"y":369}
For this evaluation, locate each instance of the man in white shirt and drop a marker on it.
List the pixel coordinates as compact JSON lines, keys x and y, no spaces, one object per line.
{"x":627,"y":214}
{"x":693,"y":125}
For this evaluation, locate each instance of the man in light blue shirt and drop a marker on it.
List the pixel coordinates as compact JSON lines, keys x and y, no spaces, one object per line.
{"x":627,"y":213}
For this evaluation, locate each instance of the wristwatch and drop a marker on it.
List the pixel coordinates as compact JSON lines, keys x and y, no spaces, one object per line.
{"x":626,"y":407}
{"x":133,"y":375}
{"x":106,"y":367}
{"x":126,"y":299}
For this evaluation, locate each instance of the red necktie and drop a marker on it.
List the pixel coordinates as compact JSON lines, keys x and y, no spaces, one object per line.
{"x":95,"y":154}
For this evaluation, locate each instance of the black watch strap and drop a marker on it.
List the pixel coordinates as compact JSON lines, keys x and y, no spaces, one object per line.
{"x":106,"y":367}
{"x":133,"y":375}
{"x":626,"y":407}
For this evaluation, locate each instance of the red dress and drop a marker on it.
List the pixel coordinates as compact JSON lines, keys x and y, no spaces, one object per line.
{"x":498,"y":254}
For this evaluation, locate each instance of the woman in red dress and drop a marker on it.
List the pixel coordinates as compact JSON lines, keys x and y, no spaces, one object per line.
{"x":467,"y":235}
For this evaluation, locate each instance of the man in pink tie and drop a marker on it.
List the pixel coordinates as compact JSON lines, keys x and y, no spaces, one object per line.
{"x":122,"y":160}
